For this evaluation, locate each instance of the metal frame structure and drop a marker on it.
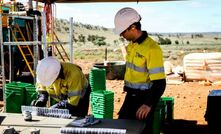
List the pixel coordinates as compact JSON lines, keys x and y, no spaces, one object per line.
{"x":35,"y":43}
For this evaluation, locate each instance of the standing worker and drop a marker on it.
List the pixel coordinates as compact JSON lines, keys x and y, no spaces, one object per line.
{"x":64,"y":82}
{"x":144,"y":79}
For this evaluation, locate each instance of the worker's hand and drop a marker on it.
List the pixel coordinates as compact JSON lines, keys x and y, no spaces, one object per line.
{"x":142,"y":112}
{"x":41,"y":100}
{"x":62,"y":104}
{"x":38,"y":103}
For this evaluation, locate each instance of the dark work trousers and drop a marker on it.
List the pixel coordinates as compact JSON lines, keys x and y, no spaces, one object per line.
{"x":81,"y":110}
{"x":132,"y":103}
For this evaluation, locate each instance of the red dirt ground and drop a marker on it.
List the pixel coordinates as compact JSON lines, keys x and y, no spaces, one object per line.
{"x":190,"y":98}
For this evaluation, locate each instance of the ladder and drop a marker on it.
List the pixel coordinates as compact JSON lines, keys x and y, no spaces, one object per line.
{"x":61,"y":51}
{"x":25,"y":50}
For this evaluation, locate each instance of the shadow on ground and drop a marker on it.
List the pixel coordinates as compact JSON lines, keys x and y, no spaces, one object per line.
{"x":185,"y":127}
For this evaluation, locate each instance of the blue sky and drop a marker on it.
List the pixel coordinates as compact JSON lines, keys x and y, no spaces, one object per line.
{"x":170,"y":16}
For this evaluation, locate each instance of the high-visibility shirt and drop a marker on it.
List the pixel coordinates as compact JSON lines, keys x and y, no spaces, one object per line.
{"x":72,"y":87}
{"x":144,"y":63}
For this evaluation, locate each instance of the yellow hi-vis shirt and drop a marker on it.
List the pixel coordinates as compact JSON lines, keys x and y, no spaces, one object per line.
{"x":73,"y":85}
{"x":144,"y":63}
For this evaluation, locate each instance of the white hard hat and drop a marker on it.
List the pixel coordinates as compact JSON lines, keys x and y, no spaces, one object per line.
{"x":48,"y":70}
{"x":124,"y":18}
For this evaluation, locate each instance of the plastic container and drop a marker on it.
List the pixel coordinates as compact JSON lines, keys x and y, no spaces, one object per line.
{"x":102,"y":104}
{"x":157,"y":123}
{"x":30,"y":94}
{"x":97,"y":79}
{"x":15,"y":96}
{"x":103,"y":116}
{"x":162,"y":107}
{"x":169,"y":108}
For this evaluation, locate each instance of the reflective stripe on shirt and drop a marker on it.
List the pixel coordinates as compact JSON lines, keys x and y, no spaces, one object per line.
{"x":136,"y":68}
{"x":79,"y":92}
{"x":156,"y":70}
{"x":140,"y":86}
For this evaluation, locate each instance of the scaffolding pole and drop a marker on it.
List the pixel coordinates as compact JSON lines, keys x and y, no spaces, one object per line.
{"x":2,"y":60}
{"x":71,"y":40}
{"x":44,"y":34}
{"x":35,"y":43}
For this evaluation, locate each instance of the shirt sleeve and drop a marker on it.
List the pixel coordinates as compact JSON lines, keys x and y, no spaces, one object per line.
{"x":155,"y":64}
{"x":155,"y":92}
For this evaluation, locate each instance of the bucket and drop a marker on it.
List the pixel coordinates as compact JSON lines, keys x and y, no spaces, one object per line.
{"x":114,"y":69}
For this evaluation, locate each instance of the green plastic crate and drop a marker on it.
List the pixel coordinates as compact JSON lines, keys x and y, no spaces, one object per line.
{"x":159,"y":116}
{"x":15,"y":96}
{"x":102,"y":103}
{"x":170,"y":108}
{"x":97,"y":79}
{"x":103,"y":116}
{"x":157,"y":123}
{"x":30,"y":94}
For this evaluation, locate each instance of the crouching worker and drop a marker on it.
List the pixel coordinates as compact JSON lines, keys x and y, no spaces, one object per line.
{"x":64,"y":82}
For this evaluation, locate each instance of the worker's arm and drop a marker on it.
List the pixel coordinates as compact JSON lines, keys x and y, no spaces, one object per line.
{"x":153,"y":97}
{"x":42,"y":97}
{"x":156,"y":73}
{"x":156,"y":92}
{"x":74,"y":84}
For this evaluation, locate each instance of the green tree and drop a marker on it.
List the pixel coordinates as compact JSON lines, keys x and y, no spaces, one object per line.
{"x":81,"y":38}
{"x":176,"y":42}
{"x":187,"y":42}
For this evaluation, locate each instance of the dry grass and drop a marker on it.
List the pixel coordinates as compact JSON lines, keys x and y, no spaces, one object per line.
{"x":173,"y":52}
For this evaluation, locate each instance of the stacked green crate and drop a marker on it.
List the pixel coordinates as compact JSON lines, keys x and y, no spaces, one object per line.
{"x":163,"y":114}
{"x":159,"y":116}
{"x":30,"y":94}
{"x":102,"y":103}
{"x":15,"y":96}
{"x":170,"y":108}
{"x":97,"y":79}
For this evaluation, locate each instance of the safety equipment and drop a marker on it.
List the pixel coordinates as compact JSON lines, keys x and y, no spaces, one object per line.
{"x":48,"y":70}
{"x":124,"y":18}
{"x":145,"y":74}
{"x":41,"y":100}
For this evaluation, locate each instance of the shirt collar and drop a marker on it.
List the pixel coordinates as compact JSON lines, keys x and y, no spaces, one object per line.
{"x":141,"y":38}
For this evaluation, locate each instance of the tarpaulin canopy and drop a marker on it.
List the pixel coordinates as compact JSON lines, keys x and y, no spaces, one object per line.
{"x":87,"y":1}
